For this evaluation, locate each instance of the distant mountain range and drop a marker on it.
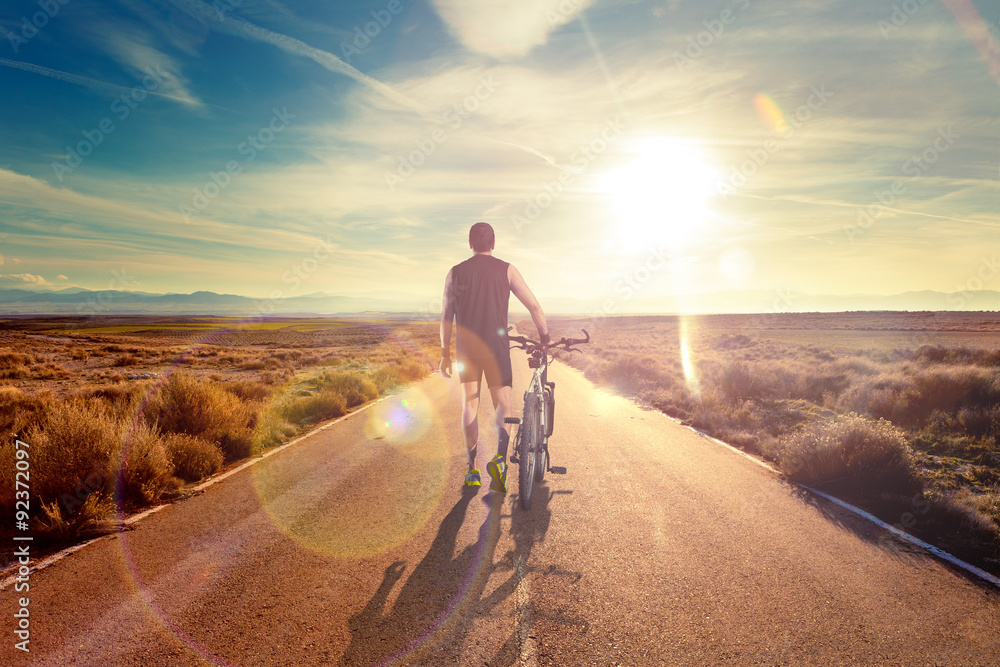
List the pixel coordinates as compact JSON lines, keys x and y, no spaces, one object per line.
{"x":77,"y":301}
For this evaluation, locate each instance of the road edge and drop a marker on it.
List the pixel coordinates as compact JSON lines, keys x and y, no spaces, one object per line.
{"x":135,"y":518}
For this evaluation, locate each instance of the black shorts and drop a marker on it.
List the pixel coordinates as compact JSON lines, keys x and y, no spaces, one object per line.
{"x":498,"y":371}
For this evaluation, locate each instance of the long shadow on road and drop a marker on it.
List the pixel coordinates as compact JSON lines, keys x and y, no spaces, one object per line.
{"x":431,"y":613}
{"x":444,"y":595}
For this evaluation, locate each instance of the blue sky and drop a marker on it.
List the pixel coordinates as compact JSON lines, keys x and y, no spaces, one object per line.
{"x":263,"y":147}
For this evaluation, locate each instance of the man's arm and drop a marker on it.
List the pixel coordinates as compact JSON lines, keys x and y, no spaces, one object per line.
{"x":447,"y":315}
{"x":524,"y":295}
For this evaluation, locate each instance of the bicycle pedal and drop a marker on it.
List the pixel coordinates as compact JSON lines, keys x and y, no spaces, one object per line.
{"x":511,"y":420}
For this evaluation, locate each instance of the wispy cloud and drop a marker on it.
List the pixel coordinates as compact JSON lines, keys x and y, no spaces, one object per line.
{"x":242,"y":28}
{"x":134,"y":52}
{"x":83,"y":80}
{"x":22,"y":280}
{"x":506,"y":28}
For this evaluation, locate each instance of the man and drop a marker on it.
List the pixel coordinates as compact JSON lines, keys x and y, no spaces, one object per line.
{"x":476,"y":295}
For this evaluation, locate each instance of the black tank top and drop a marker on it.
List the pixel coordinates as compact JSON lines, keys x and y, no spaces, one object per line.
{"x":482,"y":294}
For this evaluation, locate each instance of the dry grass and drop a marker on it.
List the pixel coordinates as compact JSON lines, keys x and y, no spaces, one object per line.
{"x":830,"y":408}
{"x":193,"y":458}
{"x":98,"y":438}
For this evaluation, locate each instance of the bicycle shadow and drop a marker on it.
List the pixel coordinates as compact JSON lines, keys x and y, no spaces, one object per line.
{"x":437,"y":604}
{"x":528,"y":528}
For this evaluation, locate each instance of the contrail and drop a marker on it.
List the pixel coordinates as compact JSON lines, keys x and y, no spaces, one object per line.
{"x":839,"y":204}
{"x":242,"y":28}
{"x":546,"y":158}
{"x":90,"y":83}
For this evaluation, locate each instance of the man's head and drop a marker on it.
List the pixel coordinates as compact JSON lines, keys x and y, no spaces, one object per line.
{"x":481,"y":237}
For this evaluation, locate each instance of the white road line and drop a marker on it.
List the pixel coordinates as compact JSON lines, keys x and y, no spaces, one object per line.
{"x":56,"y":557}
{"x":525,"y":618}
{"x":902,"y":534}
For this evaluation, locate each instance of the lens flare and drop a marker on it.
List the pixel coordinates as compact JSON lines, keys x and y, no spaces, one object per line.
{"x":690,"y":372}
{"x":292,"y":499}
{"x":402,"y":419}
{"x":771,"y":113}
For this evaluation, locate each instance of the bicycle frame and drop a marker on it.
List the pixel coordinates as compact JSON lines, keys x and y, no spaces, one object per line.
{"x":531,"y":443}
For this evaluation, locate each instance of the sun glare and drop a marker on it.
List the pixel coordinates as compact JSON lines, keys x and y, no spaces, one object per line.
{"x":662,"y":193}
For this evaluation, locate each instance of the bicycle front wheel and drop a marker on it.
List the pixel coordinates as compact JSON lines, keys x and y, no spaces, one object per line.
{"x":529,"y":437}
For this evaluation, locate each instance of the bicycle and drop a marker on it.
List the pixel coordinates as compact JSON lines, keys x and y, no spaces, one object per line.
{"x":531,"y":442}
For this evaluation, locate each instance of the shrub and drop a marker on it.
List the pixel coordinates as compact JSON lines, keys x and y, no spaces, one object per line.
{"x":193,"y":458}
{"x":142,"y":465}
{"x":325,"y":404}
{"x":272,"y":429}
{"x":355,"y":388}
{"x":204,"y":409}
{"x":15,"y":372}
{"x":248,"y":390}
{"x":127,"y":359}
{"x":855,"y":453}
{"x":72,"y":451}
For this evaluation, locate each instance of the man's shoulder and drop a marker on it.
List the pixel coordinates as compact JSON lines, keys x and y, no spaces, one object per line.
{"x":480,"y":260}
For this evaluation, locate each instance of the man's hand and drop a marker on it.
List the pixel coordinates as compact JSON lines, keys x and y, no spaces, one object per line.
{"x":545,"y":338}
{"x":445,"y":365}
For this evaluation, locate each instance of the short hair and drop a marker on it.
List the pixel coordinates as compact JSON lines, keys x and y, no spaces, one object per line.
{"x":481,"y":237}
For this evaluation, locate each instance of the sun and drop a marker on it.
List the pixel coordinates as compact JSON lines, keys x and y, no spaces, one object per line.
{"x":662,"y":192}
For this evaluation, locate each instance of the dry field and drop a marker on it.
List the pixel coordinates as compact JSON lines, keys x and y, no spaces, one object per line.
{"x":122,"y":412}
{"x":897,"y":412}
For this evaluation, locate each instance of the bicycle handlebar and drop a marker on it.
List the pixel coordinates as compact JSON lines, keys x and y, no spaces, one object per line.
{"x":563,"y":343}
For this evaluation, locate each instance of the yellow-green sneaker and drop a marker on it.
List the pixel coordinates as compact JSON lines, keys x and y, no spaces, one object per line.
{"x":472,"y":479}
{"x":497,"y":469}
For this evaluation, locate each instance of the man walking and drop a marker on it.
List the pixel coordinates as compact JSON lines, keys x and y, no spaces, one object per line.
{"x":476,"y":296}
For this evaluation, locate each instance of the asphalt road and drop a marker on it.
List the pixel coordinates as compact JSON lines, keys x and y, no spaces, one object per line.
{"x":358,"y":547}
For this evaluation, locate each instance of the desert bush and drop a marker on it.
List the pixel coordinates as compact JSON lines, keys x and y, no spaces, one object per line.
{"x":142,"y":465}
{"x":127,"y":359}
{"x":15,"y":372}
{"x":75,"y":447}
{"x":968,"y":512}
{"x":739,"y":382}
{"x":56,"y":525}
{"x":947,"y":390}
{"x":856,"y":453}
{"x":204,"y":409}
{"x":248,"y":390}
{"x":20,"y":410}
{"x":327,"y":403}
{"x":354,"y":387}
{"x":193,"y":458}
{"x":9,"y":359}
{"x":272,"y":429}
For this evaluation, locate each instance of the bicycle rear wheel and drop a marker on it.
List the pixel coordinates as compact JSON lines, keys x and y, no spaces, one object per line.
{"x":542,"y":449}
{"x":528,"y":434}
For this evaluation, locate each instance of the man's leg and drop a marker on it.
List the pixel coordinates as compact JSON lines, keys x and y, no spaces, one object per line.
{"x":501,"y":405}
{"x":470,"y":418}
